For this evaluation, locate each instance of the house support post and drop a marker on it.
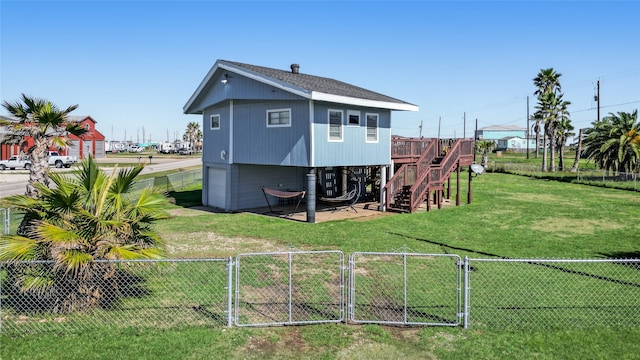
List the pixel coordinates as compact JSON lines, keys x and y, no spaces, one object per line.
{"x":383,"y":183}
{"x":458,"y":184}
{"x":469,"y":192}
{"x":440,"y":194}
{"x":449,"y":188}
{"x":311,"y":196}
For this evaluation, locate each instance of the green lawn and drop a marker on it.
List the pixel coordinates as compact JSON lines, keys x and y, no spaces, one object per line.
{"x":511,"y":216}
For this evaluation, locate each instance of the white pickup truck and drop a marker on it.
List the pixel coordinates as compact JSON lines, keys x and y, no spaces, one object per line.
{"x":61,"y":160}
{"x":16,"y":162}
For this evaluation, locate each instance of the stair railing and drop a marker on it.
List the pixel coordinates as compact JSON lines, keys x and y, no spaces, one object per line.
{"x":436,"y":175}
{"x":407,"y":173}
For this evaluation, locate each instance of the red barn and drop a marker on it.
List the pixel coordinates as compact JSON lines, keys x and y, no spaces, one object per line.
{"x":91,"y":142}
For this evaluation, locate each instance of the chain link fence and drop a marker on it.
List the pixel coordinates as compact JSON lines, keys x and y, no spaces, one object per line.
{"x":315,"y":287}
{"x":552,"y":294}
{"x":289,"y":288}
{"x":618,"y":180}
{"x":5,"y":219}
{"x":171,"y":182}
{"x":120,"y":294}
{"x":405,"y":289}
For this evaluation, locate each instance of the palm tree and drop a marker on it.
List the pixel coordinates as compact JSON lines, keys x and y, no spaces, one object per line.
{"x":576,"y":161}
{"x":547,"y":81}
{"x":484,"y":146}
{"x":47,"y":125}
{"x":199,"y":136}
{"x":76,"y":225}
{"x":192,"y":133}
{"x":563,"y":132}
{"x":614,"y":142}
{"x":551,"y":108}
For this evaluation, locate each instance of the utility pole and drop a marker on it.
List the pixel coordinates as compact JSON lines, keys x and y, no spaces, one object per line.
{"x":527,"y":132}
{"x":420,"y":129}
{"x":475,"y":144}
{"x":598,"y":99}
{"x":439,"y":120}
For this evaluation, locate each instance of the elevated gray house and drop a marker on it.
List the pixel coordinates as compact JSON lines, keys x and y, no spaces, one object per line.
{"x":288,"y":131}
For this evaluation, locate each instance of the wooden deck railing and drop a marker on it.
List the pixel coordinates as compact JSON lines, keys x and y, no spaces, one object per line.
{"x":423,"y":175}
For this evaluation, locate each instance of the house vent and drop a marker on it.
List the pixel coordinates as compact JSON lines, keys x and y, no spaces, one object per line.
{"x":295,"y":68}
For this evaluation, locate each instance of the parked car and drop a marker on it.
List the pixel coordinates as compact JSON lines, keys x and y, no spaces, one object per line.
{"x":135,"y":148}
{"x":59,"y":161}
{"x":16,"y":162}
{"x":185,"y":151}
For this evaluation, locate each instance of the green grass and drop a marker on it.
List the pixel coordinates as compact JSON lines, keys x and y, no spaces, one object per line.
{"x":511,"y":216}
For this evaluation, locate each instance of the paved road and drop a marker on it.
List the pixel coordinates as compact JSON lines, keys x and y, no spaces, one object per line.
{"x":15,"y":181}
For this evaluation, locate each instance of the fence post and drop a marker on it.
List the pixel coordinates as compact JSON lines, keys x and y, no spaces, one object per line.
{"x":466,"y":292}
{"x":404,"y":280}
{"x":1,"y":303}
{"x":230,"y":292}
{"x":290,"y":289}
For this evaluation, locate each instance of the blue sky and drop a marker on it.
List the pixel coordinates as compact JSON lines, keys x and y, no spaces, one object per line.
{"x":134,"y":64}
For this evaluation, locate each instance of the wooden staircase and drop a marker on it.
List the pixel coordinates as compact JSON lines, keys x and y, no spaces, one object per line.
{"x":426,"y":165}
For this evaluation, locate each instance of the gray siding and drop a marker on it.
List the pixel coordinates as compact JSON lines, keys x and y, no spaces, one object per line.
{"x":353,"y":150}
{"x":216,"y":141}
{"x":255,"y":143}
{"x":239,"y":87}
{"x":246,"y":181}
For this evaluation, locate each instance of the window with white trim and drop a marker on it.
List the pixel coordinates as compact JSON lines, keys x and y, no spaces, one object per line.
{"x":279,"y":118}
{"x":372,"y":128}
{"x":335,"y":125}
{"x":353,"y":118}
{"x":215,"y":122}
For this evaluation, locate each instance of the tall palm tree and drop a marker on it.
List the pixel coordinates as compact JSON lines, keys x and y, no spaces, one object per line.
{"x":576,"y":161}
{"x":551,"y":109}
{"x":191,"y":133}
{"x":547,"y":81}
{"x":82,"y":220}
{"x":47,"y":125}
{"x":614,"y":142}
{"x":563,"y":132}
{"x":199,"y":136}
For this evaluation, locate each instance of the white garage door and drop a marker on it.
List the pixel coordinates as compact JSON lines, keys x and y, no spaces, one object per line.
{"x":74,"y":149}
{"x":216,"y":188}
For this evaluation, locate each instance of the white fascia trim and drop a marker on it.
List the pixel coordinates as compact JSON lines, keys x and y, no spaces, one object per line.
{"x":363,"y":102}
{"x":231,"y":131}
{"x":312,"y":159}
{"x":268,"y":81}
{"x":240,"y":71}
{"x":203,"y":83}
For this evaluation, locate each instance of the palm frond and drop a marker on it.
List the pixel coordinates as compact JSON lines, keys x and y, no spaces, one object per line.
{"x":74,"y":260}
{"x":18,"y":248}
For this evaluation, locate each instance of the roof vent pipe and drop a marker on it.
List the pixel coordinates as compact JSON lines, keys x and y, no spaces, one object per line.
{"x":295,"y":68}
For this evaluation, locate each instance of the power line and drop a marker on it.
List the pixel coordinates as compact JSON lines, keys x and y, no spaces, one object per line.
{"x":607,"y":106}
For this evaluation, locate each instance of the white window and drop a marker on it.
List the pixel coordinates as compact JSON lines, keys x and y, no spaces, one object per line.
{"x":215,"y":122}
{"x":353,"y":118}
{"x":279,"y":118}
{"x":335,"y":125}
{"x":372,"y":128}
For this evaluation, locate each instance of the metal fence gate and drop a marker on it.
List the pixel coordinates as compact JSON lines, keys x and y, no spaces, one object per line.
{"x":405,"y":289}
{"x":289,"y":288}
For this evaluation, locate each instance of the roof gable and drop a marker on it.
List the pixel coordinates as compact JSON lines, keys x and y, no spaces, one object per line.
{"x":307,"y":86}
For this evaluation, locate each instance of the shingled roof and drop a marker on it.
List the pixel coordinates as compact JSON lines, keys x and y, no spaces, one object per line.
{"x":308,"y":86}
